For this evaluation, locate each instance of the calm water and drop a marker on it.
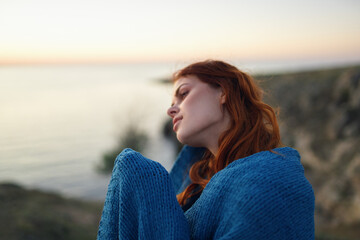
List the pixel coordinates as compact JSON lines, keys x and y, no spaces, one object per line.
{"x":57,"y":121}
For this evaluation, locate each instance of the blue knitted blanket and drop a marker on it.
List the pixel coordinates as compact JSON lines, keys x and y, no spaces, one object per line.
{"x":263,"y":196}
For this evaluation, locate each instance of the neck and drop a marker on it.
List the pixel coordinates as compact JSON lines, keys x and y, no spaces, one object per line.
{"x":213,"y":149}
{"x":213,"y":144}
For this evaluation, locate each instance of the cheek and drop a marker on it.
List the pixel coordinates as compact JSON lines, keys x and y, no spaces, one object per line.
{"x":198,"y":109}
{"x":199,"y":117}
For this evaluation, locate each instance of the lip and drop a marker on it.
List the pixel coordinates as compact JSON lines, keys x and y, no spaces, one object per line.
{"x":176,"y":123}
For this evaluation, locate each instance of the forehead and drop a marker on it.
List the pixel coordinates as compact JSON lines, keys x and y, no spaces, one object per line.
{"x":191,"y":79}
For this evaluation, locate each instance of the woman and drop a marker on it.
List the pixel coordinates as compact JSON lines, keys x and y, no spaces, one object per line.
{"x":232,"y":180}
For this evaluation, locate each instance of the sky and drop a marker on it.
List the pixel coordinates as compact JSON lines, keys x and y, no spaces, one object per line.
{"x":68,"y":31}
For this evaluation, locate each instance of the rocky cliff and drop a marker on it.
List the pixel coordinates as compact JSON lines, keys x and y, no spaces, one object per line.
{"x":320,"y":116}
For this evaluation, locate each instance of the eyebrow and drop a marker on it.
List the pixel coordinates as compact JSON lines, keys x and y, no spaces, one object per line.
{"x":178,"y":89}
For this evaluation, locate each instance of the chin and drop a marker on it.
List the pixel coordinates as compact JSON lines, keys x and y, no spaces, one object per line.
{"x":188,"y":141}
{"x":180,"y":139}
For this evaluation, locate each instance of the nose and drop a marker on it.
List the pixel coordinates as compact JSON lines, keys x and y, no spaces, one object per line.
{"x":172,"y":111}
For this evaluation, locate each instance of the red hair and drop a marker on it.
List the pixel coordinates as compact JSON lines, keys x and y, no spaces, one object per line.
{"x":253,"y":126}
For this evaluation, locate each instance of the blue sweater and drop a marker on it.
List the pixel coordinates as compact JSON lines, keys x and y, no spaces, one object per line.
{"x":263,"y":196}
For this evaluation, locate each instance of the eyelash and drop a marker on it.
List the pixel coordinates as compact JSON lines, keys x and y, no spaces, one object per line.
{"x":184,"y":94}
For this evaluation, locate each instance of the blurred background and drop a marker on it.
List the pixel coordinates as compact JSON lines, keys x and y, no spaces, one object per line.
{"x":80,"y":80}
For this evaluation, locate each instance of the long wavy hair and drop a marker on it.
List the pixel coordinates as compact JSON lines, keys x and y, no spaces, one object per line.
{"x":253,"y":127}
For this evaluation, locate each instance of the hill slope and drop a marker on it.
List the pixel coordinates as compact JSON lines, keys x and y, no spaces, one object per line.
{"x":320,"y":116}
{"x":32,"y":214}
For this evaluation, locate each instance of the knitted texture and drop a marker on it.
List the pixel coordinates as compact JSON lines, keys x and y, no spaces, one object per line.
{"x":141,"y":202}
{"x":263,"y":196}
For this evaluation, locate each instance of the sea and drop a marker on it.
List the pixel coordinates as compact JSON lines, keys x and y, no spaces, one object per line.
{"x":57,"y":121}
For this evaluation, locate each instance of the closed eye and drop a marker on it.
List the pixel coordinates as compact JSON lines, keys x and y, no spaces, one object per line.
{"x":183,"y":95}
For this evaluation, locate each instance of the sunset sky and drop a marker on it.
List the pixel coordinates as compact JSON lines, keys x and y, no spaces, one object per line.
{"x":45,"y":31}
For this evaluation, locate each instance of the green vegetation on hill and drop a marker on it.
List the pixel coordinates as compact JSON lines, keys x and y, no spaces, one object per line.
{"x":31,"y":214}
{"x":132,"y":138}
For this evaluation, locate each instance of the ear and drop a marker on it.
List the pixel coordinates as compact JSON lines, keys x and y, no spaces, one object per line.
{"x":220,"y":94}
{"x":222,"y":97}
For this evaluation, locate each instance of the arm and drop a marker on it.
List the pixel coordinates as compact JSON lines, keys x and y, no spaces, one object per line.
{"x":141,"y":202}
{"x":180,"y":171}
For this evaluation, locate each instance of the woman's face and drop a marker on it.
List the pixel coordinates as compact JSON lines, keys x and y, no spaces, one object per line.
{"x":198,"y":113}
